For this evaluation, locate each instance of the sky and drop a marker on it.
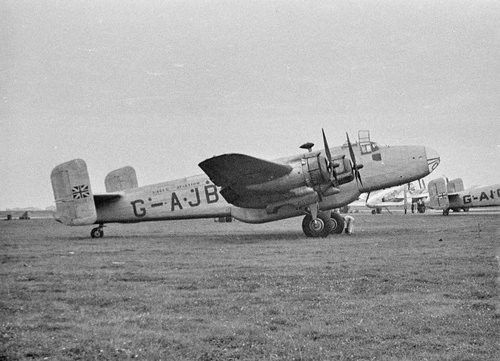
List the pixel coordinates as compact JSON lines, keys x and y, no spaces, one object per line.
{"x":163,"y":85}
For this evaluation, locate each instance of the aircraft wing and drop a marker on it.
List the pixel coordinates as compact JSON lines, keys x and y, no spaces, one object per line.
{"x":238,"y":170}
{"x":386,"y":204}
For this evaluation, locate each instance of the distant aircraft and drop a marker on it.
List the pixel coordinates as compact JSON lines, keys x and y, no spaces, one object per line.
{"x":451,"y":195}
{"x":398,"y":197}
{"x":249,"y":189}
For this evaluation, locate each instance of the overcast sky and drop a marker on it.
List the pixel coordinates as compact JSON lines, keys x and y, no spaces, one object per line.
{"x":163,"y":85}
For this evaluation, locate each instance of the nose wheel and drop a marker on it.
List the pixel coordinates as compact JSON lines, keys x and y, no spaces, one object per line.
{"x":97,"y":232}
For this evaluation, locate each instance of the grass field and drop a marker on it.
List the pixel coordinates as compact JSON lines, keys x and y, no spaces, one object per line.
{"x":415,"y":287}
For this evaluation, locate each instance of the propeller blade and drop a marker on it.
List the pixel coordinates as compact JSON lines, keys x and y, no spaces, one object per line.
{"x":351,"y":152}
{"x":327,"y":148}
{"x":354,"y":165}
{"x":358,"y":177}
{"x":331,"y":168}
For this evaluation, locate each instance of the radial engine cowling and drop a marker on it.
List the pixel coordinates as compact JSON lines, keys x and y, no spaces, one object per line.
{"x":315,"y":170}
{"x":310,"y":171}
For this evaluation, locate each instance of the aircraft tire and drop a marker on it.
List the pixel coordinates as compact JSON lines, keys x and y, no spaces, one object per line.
{"x":321,"y":227}
{"x":97,"y":232}
{"x":446,"y":212}
{"x":338,"y":223}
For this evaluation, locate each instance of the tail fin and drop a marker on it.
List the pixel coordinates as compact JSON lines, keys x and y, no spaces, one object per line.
{"x":438,"y":194}
{"x":121,"y":179}
{"x":455,"y":185}
{"x":74,"y":199}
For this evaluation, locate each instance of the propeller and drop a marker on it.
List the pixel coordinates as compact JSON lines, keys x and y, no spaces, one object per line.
{"x":355,"y":167}
{"x":331,"y":165}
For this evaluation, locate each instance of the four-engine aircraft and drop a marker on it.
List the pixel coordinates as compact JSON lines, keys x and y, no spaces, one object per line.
{"x":451,"y":195}
{"x":249,"y":189}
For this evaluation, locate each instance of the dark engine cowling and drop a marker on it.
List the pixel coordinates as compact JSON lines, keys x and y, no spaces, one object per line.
{"x":315,"y":170}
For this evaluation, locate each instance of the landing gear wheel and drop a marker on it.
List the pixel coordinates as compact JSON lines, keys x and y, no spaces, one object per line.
{"x":97,"y":232}
{"x":338,"y":223}
{"x":446,"y":212}
{"x":319,"y":227}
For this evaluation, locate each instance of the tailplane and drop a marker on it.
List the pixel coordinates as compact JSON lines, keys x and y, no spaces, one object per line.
{"x":74,"y":199}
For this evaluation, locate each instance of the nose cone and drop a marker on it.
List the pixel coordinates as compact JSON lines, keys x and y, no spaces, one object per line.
{"x":432,"y":158}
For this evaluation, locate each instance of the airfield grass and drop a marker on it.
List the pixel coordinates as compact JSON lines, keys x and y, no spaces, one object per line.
{"x":414,"y":287}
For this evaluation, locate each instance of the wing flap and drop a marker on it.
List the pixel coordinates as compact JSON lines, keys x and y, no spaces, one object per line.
{"x":236,"y":170}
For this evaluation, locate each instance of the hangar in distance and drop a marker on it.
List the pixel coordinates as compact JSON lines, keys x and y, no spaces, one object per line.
{"x":310,"y":184}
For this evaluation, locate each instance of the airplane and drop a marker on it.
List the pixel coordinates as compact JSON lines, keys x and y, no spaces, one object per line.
{"x":398,"y":197}
{"x":449,"y":195}
{"x":246,"y":188}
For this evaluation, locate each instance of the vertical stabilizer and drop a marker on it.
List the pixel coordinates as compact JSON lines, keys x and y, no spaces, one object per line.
{"x":73,"y":195}
{"x":121,"y":179}
{"x":438,"y":194}
{"x":455,"y":185}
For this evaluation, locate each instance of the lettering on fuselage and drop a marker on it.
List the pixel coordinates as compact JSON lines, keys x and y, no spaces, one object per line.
{"x":138,"y":211}
{"x":210,"y":193}
{"x":484,"y":196}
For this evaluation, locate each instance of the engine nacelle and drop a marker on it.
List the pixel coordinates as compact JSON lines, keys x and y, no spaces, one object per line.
{"x":311,"y":171}
{"x":315,"y":170}
{"x":308,"y":178}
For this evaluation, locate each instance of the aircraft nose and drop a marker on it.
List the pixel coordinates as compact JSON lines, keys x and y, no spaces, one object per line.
{"x":433,"y":158}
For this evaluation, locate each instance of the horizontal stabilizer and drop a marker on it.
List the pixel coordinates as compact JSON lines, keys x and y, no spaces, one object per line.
{"x":106,"y":198}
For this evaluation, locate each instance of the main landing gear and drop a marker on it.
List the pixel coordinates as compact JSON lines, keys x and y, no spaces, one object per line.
{"x":324,"y":224}
{"x":97,"y":232}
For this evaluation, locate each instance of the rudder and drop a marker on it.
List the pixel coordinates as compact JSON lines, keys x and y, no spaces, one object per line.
{"x":74,"y":199}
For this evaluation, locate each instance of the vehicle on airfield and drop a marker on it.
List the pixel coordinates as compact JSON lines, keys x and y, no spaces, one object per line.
{"x":246,"y":188}
{"x":449,"y":195}
{"x":405,"y":196}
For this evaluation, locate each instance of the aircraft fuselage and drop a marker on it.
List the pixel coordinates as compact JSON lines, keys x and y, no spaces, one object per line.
{"x":487,"y":196}
{"x":198,"y":197}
